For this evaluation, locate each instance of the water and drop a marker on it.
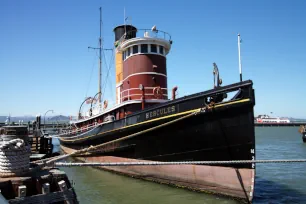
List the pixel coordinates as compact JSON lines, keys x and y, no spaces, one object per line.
{"x":280,"y":183}
{"x":275,"y":183}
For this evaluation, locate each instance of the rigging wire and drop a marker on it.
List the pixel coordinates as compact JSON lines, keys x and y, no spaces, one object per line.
{"x":91,"y":73}
{"x":109,"y":74}
{"x":110,"y":77}
{"x":109,"y":66}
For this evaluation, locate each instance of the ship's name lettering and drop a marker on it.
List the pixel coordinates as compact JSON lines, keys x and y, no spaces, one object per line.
{"x":160,"y":112}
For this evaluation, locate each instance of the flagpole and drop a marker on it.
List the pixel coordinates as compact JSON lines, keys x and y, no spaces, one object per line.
{"x":239,"y":58}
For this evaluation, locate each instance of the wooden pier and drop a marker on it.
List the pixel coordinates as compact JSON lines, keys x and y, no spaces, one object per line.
{"x":22,"y":181}
{"x":46,"y":186}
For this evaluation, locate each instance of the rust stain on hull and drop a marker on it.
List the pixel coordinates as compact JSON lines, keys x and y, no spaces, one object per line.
{"x":211,"y":179}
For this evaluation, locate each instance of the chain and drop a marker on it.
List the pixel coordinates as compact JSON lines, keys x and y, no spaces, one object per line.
{"x":70,"y":164}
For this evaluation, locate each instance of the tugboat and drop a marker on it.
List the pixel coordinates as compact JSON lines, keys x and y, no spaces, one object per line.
{"x":145,"y":125}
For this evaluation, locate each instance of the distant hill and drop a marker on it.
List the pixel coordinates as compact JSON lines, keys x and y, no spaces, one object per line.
{"x":290,"y":118}
{"x":17,"y":118}
{"x":59,"y":118}
{"x":297,"y":119}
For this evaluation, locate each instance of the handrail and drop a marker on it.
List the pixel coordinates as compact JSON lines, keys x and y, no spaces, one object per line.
{"x":123,"y":95}
{"x":166,"y":35}
{"x":146,"y":33}
{"x":138,"y":89}
{"x":100,"y":110}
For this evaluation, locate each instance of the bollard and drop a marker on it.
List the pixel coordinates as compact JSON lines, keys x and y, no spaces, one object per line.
{"x":22,"y":191}
{"x":62,"y":185}
{"x":45,"y":188}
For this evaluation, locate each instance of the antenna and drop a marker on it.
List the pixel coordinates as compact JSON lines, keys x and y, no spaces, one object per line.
{"x":124,"y":15}
{"x":239,"y":58}
{"x":124,"y":20}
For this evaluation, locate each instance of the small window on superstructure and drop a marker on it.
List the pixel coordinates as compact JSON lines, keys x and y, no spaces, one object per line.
{"x":124,"y":55}
{"x":161,"y":50}
{"x":144,"y":48}
{"x":153,"y":48}
{"x":129,"y":52}
{"x":135,"y":49}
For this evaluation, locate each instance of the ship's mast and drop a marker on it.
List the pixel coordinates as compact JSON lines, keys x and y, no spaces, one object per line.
{"x":100,"y":57}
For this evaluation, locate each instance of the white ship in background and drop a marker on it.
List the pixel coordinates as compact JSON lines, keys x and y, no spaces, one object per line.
{"x":268,"y":119}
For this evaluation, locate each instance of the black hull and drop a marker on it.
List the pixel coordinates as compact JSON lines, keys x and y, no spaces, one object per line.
{"x":225,"y":132}
{"x":304,"y":137}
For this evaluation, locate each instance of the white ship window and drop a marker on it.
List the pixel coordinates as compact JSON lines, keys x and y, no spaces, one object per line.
{"x":161,"y":50}
{"x":129,"y":52}
{"x":153,"y":48}
{"x":135,"y":49}
{"x":144,"y":48}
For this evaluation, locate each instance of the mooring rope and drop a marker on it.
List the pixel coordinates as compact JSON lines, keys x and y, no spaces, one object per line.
{"x":91,"y":148}
{"x":152,"y":163}
{"x":44,"y":160}
{"x":14,"y":158}
{"x":51,"y":161}
{"x":15,"y":143}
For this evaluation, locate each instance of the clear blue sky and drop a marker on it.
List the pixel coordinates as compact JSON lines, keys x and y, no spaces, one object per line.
{"x":45,"y":63}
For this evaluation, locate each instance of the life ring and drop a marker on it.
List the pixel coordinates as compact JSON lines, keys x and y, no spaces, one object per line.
{"x":157,"y":91}
{"x":105,"y":104}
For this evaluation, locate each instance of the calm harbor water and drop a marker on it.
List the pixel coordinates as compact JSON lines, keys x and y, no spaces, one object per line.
{"x":275,"y":183}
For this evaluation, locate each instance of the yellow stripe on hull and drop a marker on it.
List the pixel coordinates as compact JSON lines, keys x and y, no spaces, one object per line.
{"x":161,"y":118}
